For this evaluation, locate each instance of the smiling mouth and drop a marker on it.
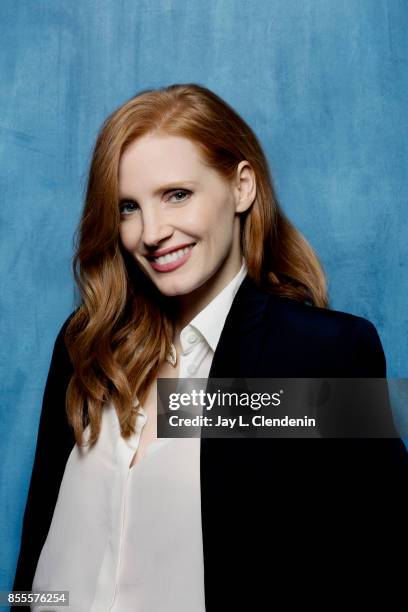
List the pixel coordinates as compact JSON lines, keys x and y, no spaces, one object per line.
{"x":171,"y":261}
{"x":171,"y":257}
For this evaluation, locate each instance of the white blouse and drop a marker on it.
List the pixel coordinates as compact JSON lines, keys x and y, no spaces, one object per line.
{"x":130,"y":539}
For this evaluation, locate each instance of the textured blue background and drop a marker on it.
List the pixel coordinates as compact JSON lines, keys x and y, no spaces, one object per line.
{"x":322,"y":82}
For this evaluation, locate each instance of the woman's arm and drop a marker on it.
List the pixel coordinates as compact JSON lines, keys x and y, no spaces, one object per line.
{"x":361,"y":406}
{"x":368,"y":359}
{"x":382,"y":489}
{"x":54,"y":444}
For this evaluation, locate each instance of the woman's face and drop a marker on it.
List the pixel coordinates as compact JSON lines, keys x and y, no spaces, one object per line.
{"x":180,"y":218}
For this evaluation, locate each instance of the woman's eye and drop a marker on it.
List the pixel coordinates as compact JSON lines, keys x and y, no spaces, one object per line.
{"x":126,"y":208}
{"x":180,"y":195}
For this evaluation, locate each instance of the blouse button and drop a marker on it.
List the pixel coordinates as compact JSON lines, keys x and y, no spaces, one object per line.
{"x":192,"y":338}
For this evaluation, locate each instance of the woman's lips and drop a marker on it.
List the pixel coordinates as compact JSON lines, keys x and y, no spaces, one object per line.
{"x":171,"y":265}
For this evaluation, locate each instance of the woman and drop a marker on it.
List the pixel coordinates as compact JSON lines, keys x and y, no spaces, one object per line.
{"x":188,"y":268}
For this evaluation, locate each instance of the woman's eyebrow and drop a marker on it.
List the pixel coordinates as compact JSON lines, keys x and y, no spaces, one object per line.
{"x":172,"y":185}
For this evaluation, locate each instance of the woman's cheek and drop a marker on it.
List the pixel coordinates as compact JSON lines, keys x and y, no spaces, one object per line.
{"x":128,"y":238}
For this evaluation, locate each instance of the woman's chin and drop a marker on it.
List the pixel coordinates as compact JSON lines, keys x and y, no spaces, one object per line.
{"x":175,"y":291}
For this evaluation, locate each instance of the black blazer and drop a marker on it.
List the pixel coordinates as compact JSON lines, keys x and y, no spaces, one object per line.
{"x":280,"y":517}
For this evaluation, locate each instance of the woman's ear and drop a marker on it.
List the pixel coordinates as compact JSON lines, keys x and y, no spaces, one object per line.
{"x":244,"y":186}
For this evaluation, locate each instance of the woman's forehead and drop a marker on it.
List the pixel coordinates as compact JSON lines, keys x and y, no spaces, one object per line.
{"x":153,"y":161}
{"x":167,"y":150}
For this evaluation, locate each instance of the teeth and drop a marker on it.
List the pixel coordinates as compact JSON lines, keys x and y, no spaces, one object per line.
{"x":172,"y":256}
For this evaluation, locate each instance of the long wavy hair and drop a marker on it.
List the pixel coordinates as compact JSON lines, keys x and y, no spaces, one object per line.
{"x":120,"y":335}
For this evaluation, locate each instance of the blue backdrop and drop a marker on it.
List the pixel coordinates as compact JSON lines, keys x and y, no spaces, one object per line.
{"x":322,"y":82}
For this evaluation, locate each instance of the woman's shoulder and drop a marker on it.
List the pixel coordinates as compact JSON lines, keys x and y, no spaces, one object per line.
{"x":60,"y":352}
{"x":67,"y":321}
{"x":318,"y":320}
{"x":343,"y":337}
{"x":302,"y":318}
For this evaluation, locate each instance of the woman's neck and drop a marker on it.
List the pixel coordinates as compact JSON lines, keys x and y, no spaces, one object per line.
{"x":191,"y":304}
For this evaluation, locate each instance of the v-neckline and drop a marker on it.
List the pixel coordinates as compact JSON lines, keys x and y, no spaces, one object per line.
{"x":150,"y":448}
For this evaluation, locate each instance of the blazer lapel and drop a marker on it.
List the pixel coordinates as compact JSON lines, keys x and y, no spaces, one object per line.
{"x":236,"y":354}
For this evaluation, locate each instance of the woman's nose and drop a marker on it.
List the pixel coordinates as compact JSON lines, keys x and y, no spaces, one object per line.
{"x":155,"y":229}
